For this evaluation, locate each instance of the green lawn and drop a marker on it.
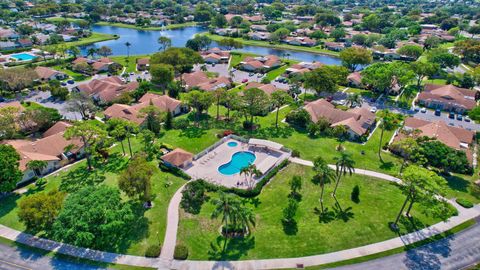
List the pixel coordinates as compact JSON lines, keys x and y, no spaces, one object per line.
{"x":75,"y":75}
{"x":150,"y":228}
{"x":362,"y":223}
{"x":152,"y":28}
{"x":59,"y":19}
{"x":316,"y":49}
{"x":94,"y":38}
{"x":129,"y":62}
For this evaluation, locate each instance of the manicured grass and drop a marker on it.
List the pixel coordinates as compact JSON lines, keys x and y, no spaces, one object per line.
{"x":152,"y":28}
{"x":360,"y":224}
{"x":150,"y":226}
{"x":75,"y":75}
{"x":237,"y":57}
{"x":362,"y":92}
{"x":316,"y":49}
{"x":94,"y":38}
{"x":271,"y":75}
{"x":58,"y":19}
{"x":129,"y":62}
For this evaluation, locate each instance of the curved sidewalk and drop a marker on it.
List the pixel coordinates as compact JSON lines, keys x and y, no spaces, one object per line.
{"x":165,"y":261}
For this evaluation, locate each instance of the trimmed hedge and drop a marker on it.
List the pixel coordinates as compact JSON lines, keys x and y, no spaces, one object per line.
{"x":464,"y":203}
{"x":247,"y":193}
{"x":173,"y":170}
{"x":180,"y":253}
{"x":153,"y":251}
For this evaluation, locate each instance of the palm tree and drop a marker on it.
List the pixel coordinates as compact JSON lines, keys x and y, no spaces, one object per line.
{"x":128,"y":44}
{"x":323,"y":175}
{"x":204,"y":68}
{"x":353,"y":99}
{"x":250,"y":171}
{"x":388,"y":121}
{"x":343,"y":164}
{"x":230,"y":208}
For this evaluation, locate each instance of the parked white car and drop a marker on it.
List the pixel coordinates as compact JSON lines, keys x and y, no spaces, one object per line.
{"x":373,"y":109}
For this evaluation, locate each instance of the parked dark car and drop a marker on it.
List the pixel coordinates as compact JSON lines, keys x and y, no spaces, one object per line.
{"x":70,"y":81}
{"x":438,"y":112}
{"x":451,"y":115}
{"x":459,"y":117}
{"x":63,"y":84}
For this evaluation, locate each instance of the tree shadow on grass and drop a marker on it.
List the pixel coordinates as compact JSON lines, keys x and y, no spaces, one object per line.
{"x":458,"y":183}
{"x":8,"y":203}
{"x":137,"y":230}
{"x":235,"y":249}
{"x":343,"y":214}
{"x":326,"y":216}
{"x":290,"y":227}
{"x":273,"y":132}
{"x":386,"y":165}
{"x":115,"y":163}
{"x":79,"y":178}
{"x":192,"y":132}
{"x":412,"y":224}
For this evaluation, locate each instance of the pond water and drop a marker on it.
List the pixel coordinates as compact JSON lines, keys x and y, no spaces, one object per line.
{"x":145,"y":42}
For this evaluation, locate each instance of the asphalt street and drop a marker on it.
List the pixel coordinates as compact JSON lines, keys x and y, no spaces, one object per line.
{"x":455,"y":252}
{"x":16,"y":258}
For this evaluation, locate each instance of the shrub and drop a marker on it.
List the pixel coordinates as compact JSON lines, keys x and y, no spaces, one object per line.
{"x":193,"y":197}
{"x":181,"y":124}
{"x":464,"y":203}
{"x":228,"y":132}
{"x":180,"y":253}
{"x":355,"y":196}
{"x":295,"y":153}
{"x":299,"y":118}
{"x":173,"y":170}
{"x":153,"y":251}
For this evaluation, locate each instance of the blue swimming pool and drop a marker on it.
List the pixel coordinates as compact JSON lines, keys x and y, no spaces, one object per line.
{"x":23,"y":57}
{"x":232,"y":144}
{"x":239,"y":161}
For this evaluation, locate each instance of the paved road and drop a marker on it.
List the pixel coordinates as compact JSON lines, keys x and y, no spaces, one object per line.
{"x":455,"y":252}
{"x":15,"y":258}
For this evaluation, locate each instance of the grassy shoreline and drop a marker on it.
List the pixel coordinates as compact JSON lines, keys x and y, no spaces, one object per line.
{"x":276,"y":46}
{"x":94,"y":38}
{"x":149,"y":28}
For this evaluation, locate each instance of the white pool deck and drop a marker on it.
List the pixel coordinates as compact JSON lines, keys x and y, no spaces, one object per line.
{"x":206,"y":167}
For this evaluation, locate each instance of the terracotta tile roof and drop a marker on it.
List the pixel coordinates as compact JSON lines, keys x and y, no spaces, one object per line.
{"x":15,"y":104}
{"x":449,"y":94}
{"x":451,"y":136}
{"x":80,"y":60}
{"x":45,"y":72}
{"x":267,"y":88}
{"x":60,"y":126}
{"x":200,"y":79}
{"x":195,"y":78}
{"x":359,"y":120}
{"x":107,"y":89}
{"x":132,"y":113}
{"x":177,"y":157}
{"x":143,"y":61}
{"x":355,"y":77}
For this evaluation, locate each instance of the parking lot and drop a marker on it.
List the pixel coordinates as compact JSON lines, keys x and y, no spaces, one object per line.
{"x":430,"y":116}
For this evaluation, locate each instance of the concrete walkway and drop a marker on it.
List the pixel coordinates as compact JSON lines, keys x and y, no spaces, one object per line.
{"x":170,"y":240}
{"x":165,"y":261}
{"x":94,"y":255}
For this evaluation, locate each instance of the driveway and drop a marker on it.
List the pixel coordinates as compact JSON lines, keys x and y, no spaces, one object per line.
{"x":221,"y":69}
{"x":16,"y":258}
{"x":455,"y":252}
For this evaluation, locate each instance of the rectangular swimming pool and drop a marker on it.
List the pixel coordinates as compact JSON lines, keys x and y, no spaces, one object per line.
{"x":23,"y":57}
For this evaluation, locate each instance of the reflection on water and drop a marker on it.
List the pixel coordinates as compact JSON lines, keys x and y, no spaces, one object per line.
{"x":145,"y":42}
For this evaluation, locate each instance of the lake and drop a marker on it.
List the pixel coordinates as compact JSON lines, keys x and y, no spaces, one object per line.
{"x":145,"y":42}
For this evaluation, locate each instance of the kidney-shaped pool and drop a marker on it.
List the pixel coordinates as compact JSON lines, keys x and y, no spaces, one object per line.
{"x":239,"y":161}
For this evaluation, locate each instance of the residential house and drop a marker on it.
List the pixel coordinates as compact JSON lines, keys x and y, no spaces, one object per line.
{"x":267,"y":88}
{"x":143,"y":64}
{"x":97,"y":65}
{"x":200,"y":79}
{"x":358,"y":121}
{"x":48,"y":74}
{"x":133,"y":113}
{"x":178,"y":158}
{"x":301,"y":68}
{"x":300,"y":41}
{"x":265,"y":36}
{"x":455,"y":137}
{"x":261,"y":63}
{"x":8,"y":34}
{"x":25,"y":43}
{"x":8,"y":45}
{"x":106,"y":90}
{"x":334,"y":46}
{"x":447,"y":97}
{"x":258,"y":28}
{"x":52,"y":148}
{"x":216,"y":56}
{"x":354,"y":79}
